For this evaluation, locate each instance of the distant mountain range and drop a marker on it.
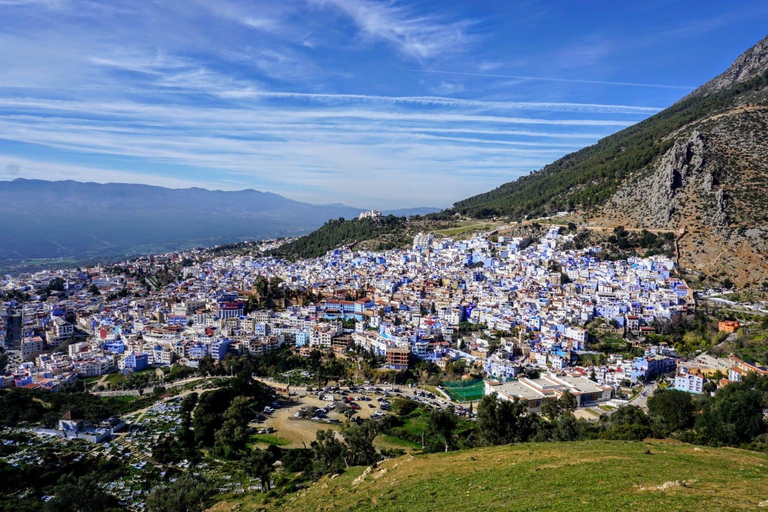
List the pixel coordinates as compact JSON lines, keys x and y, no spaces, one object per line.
{"x":70,"y":219}
{"x":698,"y":168}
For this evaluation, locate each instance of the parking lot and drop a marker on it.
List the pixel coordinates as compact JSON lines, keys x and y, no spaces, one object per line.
{"x":301,"y":415}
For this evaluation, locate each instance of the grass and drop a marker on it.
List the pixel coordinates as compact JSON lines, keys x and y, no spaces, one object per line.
{"x":580,"y":476}
{"x":387,"y":441}
{"x":118,"y":377}
{"x":415,"y":424}
{"x":269,"y":439}
{"x":465,"y":227}
{"x":127,"y":399}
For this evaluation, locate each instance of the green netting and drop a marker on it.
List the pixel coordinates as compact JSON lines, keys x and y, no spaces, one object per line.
{"x":462,"y":383}
{"x":465,"y":391}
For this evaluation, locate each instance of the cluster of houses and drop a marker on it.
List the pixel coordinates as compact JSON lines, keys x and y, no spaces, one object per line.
{"x":525,"y":303}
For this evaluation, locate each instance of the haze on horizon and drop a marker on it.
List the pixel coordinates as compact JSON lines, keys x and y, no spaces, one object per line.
{"x":363,"y":102}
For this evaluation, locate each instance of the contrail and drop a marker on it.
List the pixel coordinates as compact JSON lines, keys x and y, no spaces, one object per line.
{"x":545,"y":79}
{"x":245,"y":94}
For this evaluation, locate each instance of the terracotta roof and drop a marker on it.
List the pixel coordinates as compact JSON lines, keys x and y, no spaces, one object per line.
{"x":68,"y":417}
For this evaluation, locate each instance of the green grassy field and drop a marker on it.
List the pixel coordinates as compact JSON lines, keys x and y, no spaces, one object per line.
{"x":465,"y":227}
{"x":385,"y":441}
{"x":581,"y":476}
{"x":269,"y":439}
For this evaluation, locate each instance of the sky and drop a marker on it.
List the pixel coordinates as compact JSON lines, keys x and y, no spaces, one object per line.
{"x":371,"y":103}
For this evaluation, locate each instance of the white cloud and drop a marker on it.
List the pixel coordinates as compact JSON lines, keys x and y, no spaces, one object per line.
{"x":416,"y":36}
{"x":191,"y":92}
{"x":329,"y":148}
{"x":558,"y":79}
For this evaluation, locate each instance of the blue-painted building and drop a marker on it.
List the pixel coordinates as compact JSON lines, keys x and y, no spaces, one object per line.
{"x":136,"y":361}
{"x":219,"y":348}
{"x":644,"y":368}
{"x":114,"y":347}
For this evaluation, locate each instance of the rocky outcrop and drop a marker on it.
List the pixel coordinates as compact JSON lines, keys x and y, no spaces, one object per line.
{"x":660,"y":198}
{"x":748,"y":65}
{"x":699,"y":169}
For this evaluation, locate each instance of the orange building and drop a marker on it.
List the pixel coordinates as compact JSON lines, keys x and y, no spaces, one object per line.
{"x":398,"y":357}
{"x":728,"y":326}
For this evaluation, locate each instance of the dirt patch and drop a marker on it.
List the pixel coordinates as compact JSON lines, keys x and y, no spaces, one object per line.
{"x":301,"y":432}
{"x":664,"y":487}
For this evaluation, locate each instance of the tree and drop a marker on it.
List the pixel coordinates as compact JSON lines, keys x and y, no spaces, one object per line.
{"x":73,"y":494}
{"x":627,"y":423}
{"x":672,"y":408}
{"x":328,"y":454}
{"x":628,"y":415}
{"x":3,"y":361}
{"x":568,"y":402}
{"x":504,"y":422}
{"x":209,"y":415}
{"x":206,"y":366}
{"x":188,"y":494}
{"x":553,"y":409}
{"x":568,"y":428}
{"x":734,"y":416}
{"x":550,"y":409}
{"x":232,"y":439}
{"x":442,"y":423}
{"x":360,"y":448}
{"x":259,"y":464}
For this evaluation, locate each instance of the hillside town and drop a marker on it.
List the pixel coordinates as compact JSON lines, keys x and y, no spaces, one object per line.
{"x":511,"y":308}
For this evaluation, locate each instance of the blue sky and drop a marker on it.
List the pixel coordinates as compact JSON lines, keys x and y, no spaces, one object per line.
{"x":370,"y":103}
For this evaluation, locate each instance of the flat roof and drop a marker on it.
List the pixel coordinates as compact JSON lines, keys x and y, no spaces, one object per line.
{"x":520,"y":390}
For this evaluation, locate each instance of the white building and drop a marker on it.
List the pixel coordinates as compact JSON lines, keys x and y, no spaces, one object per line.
{"x":689,"y":383}
{"x":371,"y":214}
{"x":62,"y":330}
{"x":422,"y":241}
{"x":31,"y":347}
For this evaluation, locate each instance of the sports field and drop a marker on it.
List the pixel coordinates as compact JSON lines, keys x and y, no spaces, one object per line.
{"x":465,"y":391}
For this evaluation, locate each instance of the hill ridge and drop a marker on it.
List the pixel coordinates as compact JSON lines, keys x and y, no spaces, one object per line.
{"x":640,"y":177}
{"x":581,"y":475}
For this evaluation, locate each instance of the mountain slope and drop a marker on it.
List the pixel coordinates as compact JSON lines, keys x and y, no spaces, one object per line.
{"x":699,"y":167}
{"x":338,"y":232}
{"x":588,"y":475}
{"x":43,"y":219}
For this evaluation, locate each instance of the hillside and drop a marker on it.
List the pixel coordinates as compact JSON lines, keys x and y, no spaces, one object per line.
{"x":589,"y":475}
{"x":69,"y":219}
{"x":699,"y":167}
{"x":338,"y":232}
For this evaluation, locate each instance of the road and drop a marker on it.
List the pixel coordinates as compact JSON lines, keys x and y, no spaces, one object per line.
{"x":641,"y":400}
{"x":150,"y":389}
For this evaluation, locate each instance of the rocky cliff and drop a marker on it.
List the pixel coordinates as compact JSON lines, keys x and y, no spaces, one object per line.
{"x":749,"y":64}
{"x":699,"y":168}
{"x":711,"y":186}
